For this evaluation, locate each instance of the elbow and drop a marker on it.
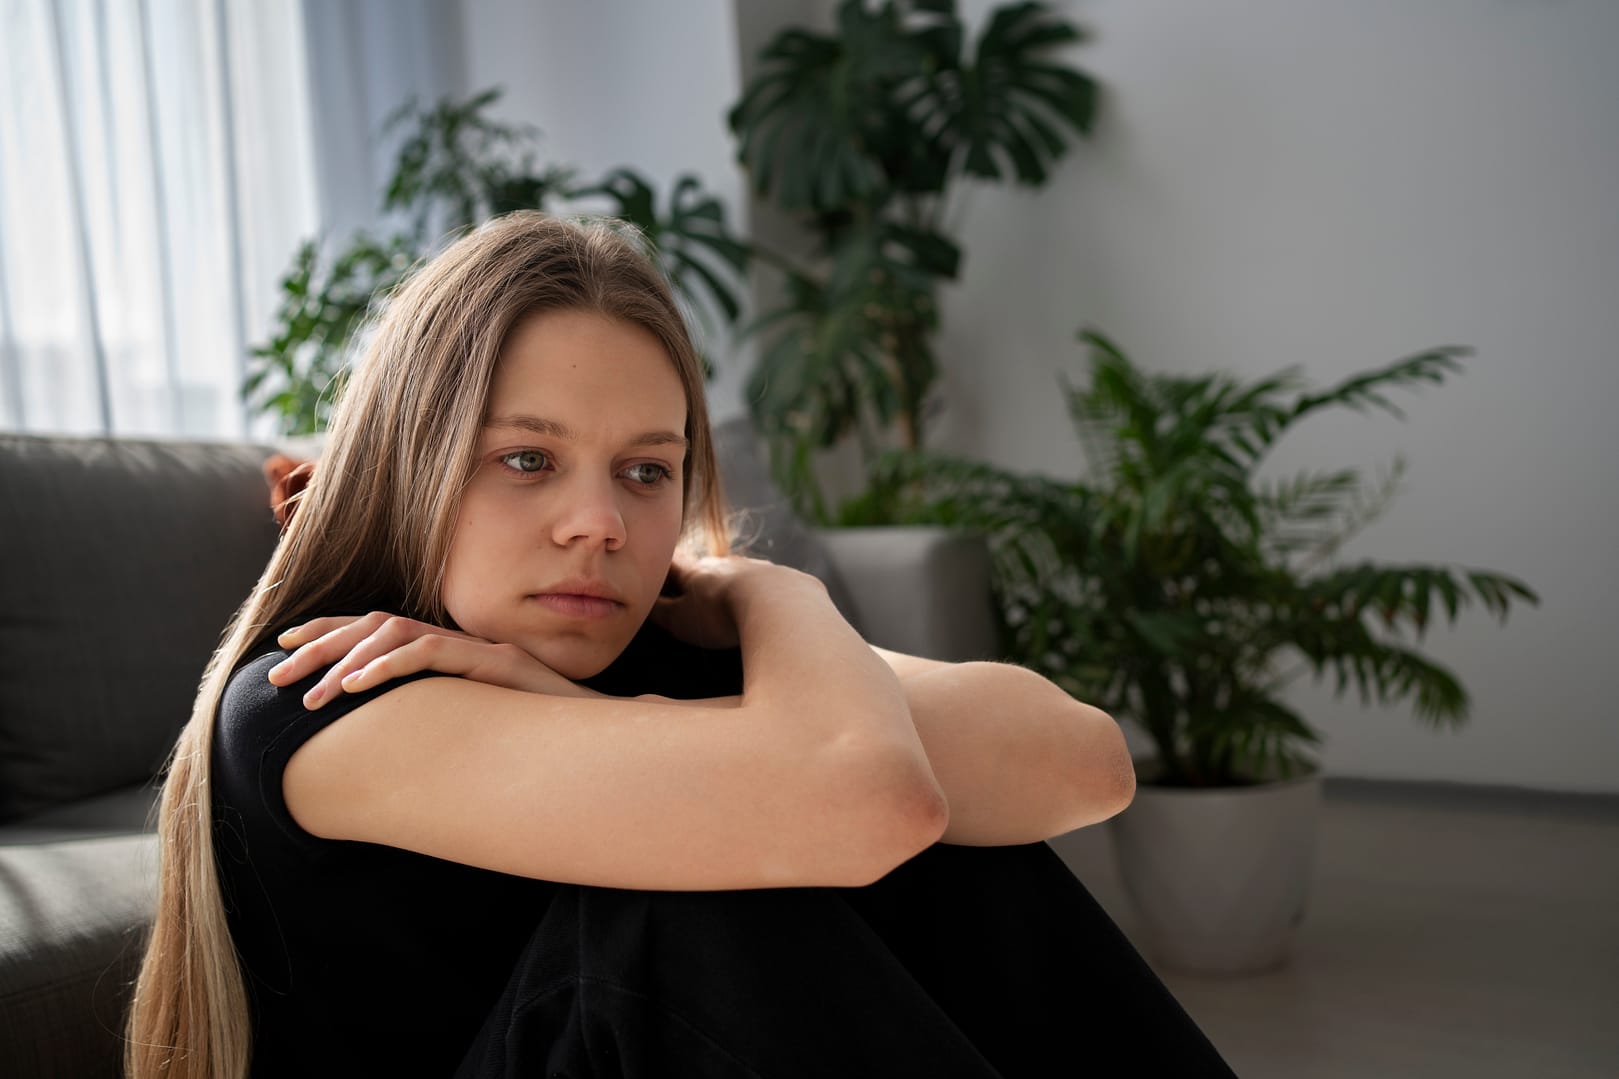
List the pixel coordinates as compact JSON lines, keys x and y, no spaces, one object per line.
{"x":904,"y":812}
{"x":1107,"y":775}
{"x":1088,"y":768}
{"x":908,"y":825}
{"x":1124,"y":780}
{"x":921,"y":811}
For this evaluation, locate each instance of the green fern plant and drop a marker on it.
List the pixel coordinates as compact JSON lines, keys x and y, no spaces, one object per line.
{"x":1173,"y":587}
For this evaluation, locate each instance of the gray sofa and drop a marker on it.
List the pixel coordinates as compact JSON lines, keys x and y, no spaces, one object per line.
{"x":120,"y":562}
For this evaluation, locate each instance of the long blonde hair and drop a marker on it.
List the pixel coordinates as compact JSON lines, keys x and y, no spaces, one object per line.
{"x":373,"y":530}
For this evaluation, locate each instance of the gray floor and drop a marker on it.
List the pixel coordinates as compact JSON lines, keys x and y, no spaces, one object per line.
{"x":1450,"y":933}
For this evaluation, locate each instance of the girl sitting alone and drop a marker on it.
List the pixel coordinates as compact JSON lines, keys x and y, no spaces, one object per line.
{"x":506,"y":767}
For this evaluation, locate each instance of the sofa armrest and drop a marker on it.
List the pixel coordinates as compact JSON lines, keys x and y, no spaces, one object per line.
{"x":924,"y":591}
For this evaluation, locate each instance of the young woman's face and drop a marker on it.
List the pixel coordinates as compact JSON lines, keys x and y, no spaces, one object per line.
{"x":569,"y":523}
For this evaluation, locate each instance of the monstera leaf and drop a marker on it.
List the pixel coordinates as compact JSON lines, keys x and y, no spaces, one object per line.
{"x":889,"y":104}
{"x":689,"y":238}
{"x":849,"y":353}
{"x":464,"y":165}
{"x":1009,"y":101}
{"x":861,"y":133}
{"x":824,"y":116}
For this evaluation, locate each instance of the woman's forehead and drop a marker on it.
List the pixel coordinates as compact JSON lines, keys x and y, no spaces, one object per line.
{"x":578,"y":374}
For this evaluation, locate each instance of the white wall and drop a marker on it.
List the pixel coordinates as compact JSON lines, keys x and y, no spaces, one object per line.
{"x":1340,"y":184}
{"x":622,"y":82}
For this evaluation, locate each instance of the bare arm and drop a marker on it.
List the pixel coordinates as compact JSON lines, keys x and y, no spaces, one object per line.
{"x":761,"y":792}
{"x":1018,"y":759}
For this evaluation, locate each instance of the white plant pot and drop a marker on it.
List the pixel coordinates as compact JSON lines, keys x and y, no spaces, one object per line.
{"x":1219,"y":876}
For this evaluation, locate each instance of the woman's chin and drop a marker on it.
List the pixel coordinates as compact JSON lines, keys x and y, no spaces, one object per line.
{"x":577,"y":660}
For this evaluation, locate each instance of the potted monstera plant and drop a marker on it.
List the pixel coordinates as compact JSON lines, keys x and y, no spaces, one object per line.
{"x":865,"y":137}
{"x":1174,"y":587}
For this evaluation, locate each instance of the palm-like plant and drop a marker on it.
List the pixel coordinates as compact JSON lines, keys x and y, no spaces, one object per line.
{"x":1173,"y":587}
{"x":862,"y":134}
{"x":455,"y":168}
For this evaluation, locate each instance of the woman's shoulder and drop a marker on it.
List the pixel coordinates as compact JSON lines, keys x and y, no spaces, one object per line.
{"x":251,"y":701}
{"x":260,"y":723}
{"x":250,"y":698}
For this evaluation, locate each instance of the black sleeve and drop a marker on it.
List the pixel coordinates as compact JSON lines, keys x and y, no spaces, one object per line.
{"x":258,"y":729}
{"x":657,"y":662}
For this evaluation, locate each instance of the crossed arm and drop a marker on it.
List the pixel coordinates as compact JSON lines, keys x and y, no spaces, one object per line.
{"x":837,"y":762}
{"x":1017,"y":758}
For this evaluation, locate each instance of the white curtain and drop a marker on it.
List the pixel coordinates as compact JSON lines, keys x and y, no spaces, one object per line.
{"x":366,"y":58}
{"x":156,"y":174}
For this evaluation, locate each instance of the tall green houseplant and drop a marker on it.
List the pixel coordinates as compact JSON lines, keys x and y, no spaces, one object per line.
{"x":863,"y":136}
{"x":457,"y":167}
{"x":1174,"y":587}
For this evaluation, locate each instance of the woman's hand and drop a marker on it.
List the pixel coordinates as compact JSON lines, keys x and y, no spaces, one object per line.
{"x":365,"y":651}
{"x":701,"y":601}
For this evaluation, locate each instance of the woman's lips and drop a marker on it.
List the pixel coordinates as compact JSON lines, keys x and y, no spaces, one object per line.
{"x":570,"y":605}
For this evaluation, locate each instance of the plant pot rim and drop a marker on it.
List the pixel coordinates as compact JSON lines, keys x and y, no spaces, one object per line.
{"x":1147,"y":766}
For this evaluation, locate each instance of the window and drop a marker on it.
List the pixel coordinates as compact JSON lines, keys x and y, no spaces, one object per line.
{"x":156,"y":174}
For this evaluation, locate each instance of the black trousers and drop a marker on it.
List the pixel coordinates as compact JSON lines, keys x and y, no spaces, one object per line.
{"x":970,"y":962}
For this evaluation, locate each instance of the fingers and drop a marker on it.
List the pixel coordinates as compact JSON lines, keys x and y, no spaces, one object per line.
{"x":346,"y":645}
{"x":319,"y":642}
{"x":361,"y":653}
{"x":426,"y":653}
{"x":467,"y":657}
{"x":317,"y":627}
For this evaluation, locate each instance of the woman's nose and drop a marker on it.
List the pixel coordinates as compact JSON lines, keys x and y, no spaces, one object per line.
{"x":590,"y":515}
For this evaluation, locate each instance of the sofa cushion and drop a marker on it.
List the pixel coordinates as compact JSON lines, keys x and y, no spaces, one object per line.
{"x":72,"y":922}
{"x":120,"y":563}
{"x":125,"y":811}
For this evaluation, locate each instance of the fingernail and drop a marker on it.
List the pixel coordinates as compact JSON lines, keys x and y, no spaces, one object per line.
{"x":352,"y":675}
{"x":314,"y":695}
{"x":287,"y":635}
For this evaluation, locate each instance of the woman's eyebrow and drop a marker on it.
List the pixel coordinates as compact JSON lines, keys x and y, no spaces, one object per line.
{"x":553,"y":429}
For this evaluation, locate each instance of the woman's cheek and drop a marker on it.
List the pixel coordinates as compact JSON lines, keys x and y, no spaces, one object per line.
{"x":663,"y":531}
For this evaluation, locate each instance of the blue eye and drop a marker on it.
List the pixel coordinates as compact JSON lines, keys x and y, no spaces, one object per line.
{"x":527,"y":461}
{"x":648,"y":475}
